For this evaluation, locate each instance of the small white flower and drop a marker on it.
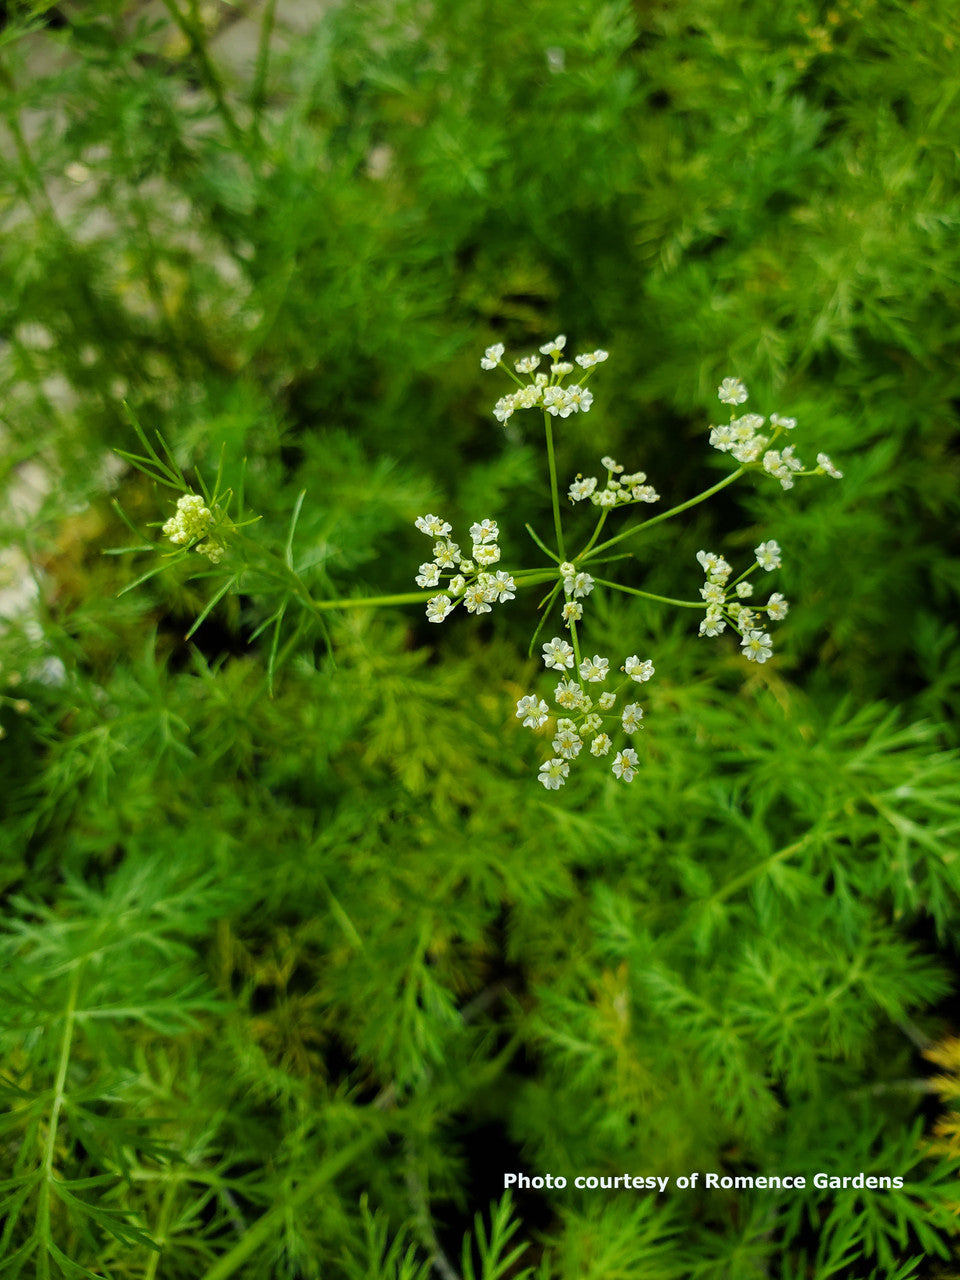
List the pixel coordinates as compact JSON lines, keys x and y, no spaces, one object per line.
{"x":446,"y":554}
{"x":714,"y":566}
{"x":788,"y":424}
{"x":485,"y":531}
{"x":600,"y":745}
{"x":561,"y":369}
{"x":746,"y":451}
{"x":637,"y":670}
{"x":578,"y":585}
{"x":777,"y":607}
{"x":212,"y":550}
{"x":595,"y":669}
{"x":732,"y":391}
{"x":492,"y":356}
{"x":768,"y":555}
{"x":747,"y":620}
{"x":567,"y":568}
{"x":723,"y":438}
{"x":458,"y":584}
{"x":572,"y":612}
{"x":744,"y":590}
{"x":625,"y":764}
{"x":553,"y":773}
{"x":591,"y":724}
{"x":433,"y":526}
{"x":486,"y":553}
{"x":568,"y":695}
{"x":429,"y":574}
{"x":527,"y":364}
{"x":581,"y":488}
{"x":557,"y":654}
{"x":567,"y":744}
{"x":437,"y":608}
{"x":528,"y":397}
{"x":504,"y":408}
{"x":644,"y":493}
{"x":631,"y":717}
{"x":533,"y":711}
{"x":713,"y":593}
{"x":756,"y":646}
{"x":606,"y":700}
{"x":713,"y":624}
{"x":476,"y":598}
{"x":557,"y":402}
{"x":555,"y":347}
{"x":503,"y":585}
{"x":781,"y":464}
{"x":590,"y":358}
{"x":580,"y":397}
{"x":611,"y":464}
{"x":747,"y":426}
{"x":605,"y":498}
{"x":824,"y":464}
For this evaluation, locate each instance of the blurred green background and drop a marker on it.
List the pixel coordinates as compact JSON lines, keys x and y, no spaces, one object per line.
{"x":297,"y":979}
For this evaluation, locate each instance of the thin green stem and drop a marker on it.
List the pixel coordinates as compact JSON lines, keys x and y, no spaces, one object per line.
{"x":648,"y":595}
{"x":160,"y":1233}
{"x":540,"y":543}
{"x":267,"y":1226}
{"x":258,"y":95}
{"x":191,"y":29}
{"x":546,"y":604}
{"x":575,"y":641}
{"x":666,"y":515}
{"x":554,"y":492}
{"x":596,"y":533}
{"x":50,"y":1145}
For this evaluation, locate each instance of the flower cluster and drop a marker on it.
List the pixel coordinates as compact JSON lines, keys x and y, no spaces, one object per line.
{"x":577,"y":584}
{"x":742,"y":439}
{"x":588,"y":715}
{"x":544,"y":390}
{"x":193,"y":523}
{"x":470,"y":579}
{"x":725,"y":601}
{"x":619,"y":491}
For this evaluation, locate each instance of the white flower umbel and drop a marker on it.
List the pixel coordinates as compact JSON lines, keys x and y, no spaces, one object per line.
{"x":742,"y":439}
{"x":725,"y":603}
{"x":468,"y":579}
{"x":492,"y":356}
